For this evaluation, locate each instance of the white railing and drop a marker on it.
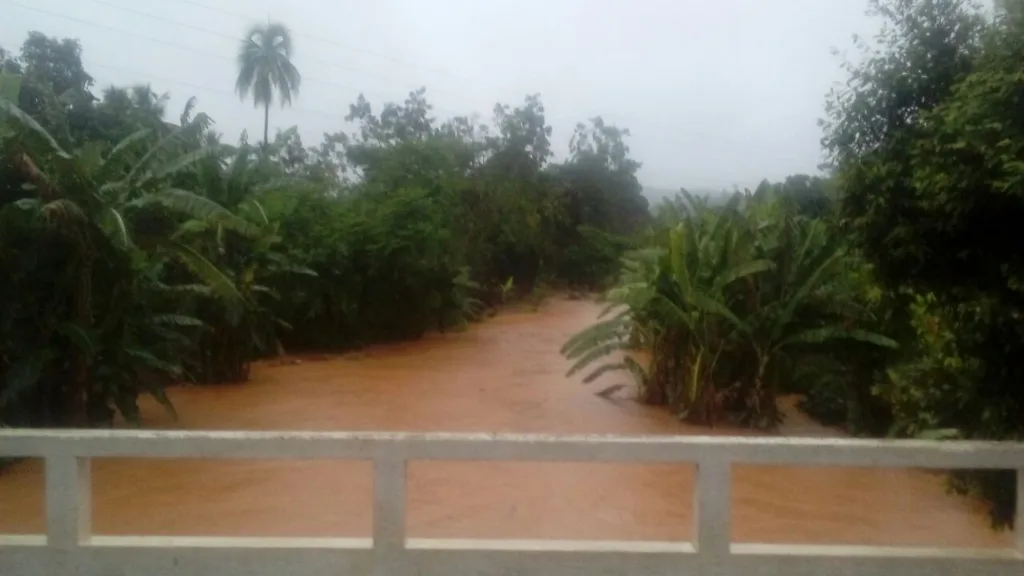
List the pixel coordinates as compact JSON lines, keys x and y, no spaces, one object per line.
{"x":69,"y":548}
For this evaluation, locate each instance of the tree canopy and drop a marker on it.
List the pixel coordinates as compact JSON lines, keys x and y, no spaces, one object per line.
{"x":140,"y":250}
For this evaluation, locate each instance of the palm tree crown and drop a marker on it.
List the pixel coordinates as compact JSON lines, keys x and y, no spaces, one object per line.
{"x":264,"y":65}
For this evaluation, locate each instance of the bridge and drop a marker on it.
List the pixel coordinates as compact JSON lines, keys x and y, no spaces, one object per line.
{"x":69,"y":548}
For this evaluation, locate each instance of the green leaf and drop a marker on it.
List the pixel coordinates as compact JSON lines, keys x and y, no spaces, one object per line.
{"x":265,"y":290}
{"x":23,"y":375}
{"x":304,"y":271}
{"x":29,"y":204}
{"x":713,"y":306}
{"x":12,"y":112}
{"x":115,"y":228}
{"x":190,"y":227}
{"x":677,"y":257}
{"x":64,"y":211}
{"x":810,"y":283}
{"x":598,"y":333}
{"x":181,"y":163}
{"x":218,"y":282}
{"x":596,"y":353}
{"x":201,"y":208}
{"x":177,"y":320}
{"x":604,"y":369}
{"x":182,"y":289}
{"x":819,"y":335}
{"x":159,"y":393}
{"x":742,"y":271}
{"x":116,"y":159}
{"x":147,"y":359}
{"x":262,"y":212}
{"x":136,"y":174}
{"x":10,"y":87}
{"x":114,"y":191}
{"x":79,"y":337}
{"x":940,"y":434}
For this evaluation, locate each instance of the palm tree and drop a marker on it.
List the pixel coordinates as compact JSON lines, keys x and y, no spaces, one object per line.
{"x":264,"y":65}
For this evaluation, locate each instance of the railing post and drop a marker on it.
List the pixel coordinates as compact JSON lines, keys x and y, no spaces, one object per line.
{"x":712,"y":508}
{"x":388,"y":513}
{"x":1018,"y":526}
{"x":68,"y":501}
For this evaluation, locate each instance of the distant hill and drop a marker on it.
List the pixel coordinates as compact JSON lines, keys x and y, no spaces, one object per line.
{"x":655,"y":195}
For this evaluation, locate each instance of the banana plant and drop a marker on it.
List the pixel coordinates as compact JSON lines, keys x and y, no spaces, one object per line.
{"x":230,"y":228}
{"x":90,"y":201}
{"x":802,"y":306}
{"x":726,"y":302}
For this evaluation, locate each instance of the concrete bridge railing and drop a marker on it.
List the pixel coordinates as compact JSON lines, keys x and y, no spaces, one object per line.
{"x":69,"y":548}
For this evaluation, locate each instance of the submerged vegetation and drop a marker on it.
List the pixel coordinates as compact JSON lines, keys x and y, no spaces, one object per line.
{"x":138,"y":252}
{"x":730,"y":303}
{"x":889,"y":292}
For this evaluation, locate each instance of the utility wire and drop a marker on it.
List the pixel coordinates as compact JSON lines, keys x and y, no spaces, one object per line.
{"x":201,"y":52}
{"x":354,"y":48}
{"x":112,"y":29}
{"x":207,"y":54}
{"x":89,"y":63}
{"x":487,"y":104}
{"x":519,"y":93}
{"x":219,"y":91}
{"x":235,"y":39}
{"x":332,"y":63}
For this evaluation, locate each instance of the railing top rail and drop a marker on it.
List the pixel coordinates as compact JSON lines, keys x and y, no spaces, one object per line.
{"x":522,"y":447}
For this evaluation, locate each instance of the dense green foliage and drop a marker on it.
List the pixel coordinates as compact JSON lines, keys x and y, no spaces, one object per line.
{"x":928,"y":145}
{"x":137,"y":252}
{"x":729,"y":303}
{"x":890,"y":293}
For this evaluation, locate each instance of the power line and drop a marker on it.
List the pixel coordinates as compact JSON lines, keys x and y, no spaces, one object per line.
{"x":229,"y":37}
{"x":226,"y":93}
{"x":112,"y":29}
{"x":489,"y":104}
{"x":508,"y":89}
{"x":228,"y":59}
{"x":338,"y":116}
{"x":354,"y":48}
{"x":211,"y":89}
{"x":195,"y":51}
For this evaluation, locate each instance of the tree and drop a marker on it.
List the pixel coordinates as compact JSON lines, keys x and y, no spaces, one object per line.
{"x":603,"y":188}
{"x":523,"y":135}
{"x":926,"y":140}
{"x":728,"y":303}
{"x":810,"y":194}
{"x":924,"y":50}
{"x":55,"y":86}
{"x":91,"y":208}
{"x":265,"y":66}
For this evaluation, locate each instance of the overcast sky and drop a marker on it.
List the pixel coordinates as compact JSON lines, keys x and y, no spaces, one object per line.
{"x":715,"y":92}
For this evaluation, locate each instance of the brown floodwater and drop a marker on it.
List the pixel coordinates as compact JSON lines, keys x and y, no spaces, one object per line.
{"x":501,"y":375}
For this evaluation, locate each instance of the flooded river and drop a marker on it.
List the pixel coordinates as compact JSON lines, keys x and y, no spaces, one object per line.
{"x":502,"y":375}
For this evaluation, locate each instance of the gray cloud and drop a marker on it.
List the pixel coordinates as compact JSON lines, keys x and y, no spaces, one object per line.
{"x":715,"y":92}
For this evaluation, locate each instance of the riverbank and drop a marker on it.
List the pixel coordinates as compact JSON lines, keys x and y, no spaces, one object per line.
{"x":501,"y":375}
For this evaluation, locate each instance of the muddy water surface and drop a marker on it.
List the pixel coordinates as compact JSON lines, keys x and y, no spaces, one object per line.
{"x":503,"y":375}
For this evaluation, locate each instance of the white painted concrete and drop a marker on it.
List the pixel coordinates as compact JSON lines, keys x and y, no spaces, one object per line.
{"x":68,"y":548}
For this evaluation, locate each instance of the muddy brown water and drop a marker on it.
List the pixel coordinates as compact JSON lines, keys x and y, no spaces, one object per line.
{"x":502,"y":375}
